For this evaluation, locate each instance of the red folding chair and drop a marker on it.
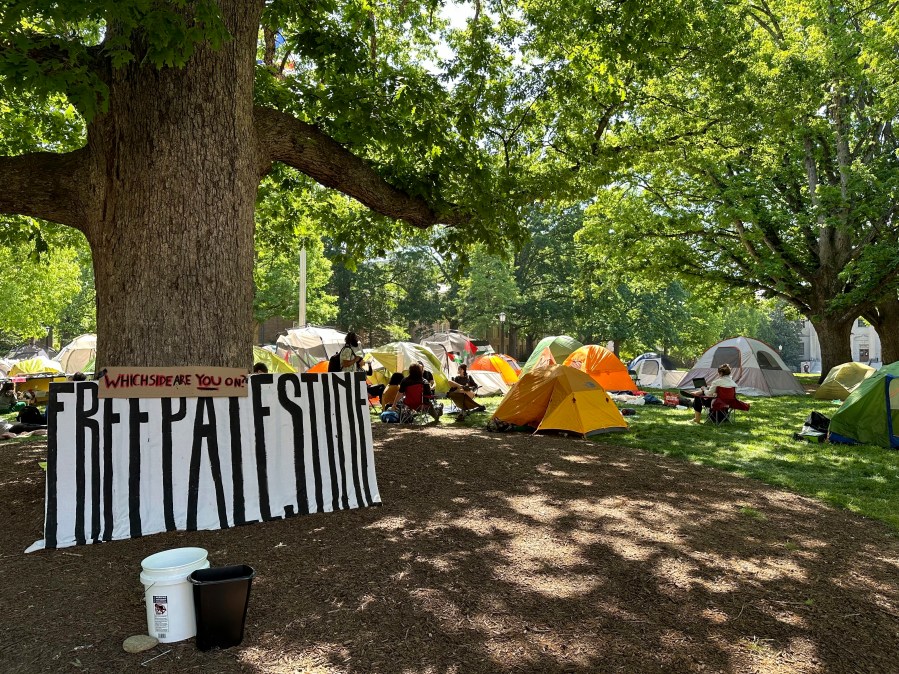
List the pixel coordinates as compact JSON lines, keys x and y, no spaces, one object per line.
{"x":724,"y":404}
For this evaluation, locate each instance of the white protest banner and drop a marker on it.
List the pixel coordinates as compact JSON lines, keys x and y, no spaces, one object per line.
{"x":122,"y":468}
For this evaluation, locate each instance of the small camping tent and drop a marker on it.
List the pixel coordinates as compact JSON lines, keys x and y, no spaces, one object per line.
{"x":398,"y":356}
{"x":653,"y":370}
{"x":560,"y":398}
{"x":870,"y":414}
{"x":451,"y":348}
{"x":843,"y":380}
{"x":603,"y":365}
{"x":304,"y":347}
{"x":551,"y":350}
{"x":75,"y":356}
{"x":274,"y":364}
{"x":493,"y":374}
{"x":756,"y":367}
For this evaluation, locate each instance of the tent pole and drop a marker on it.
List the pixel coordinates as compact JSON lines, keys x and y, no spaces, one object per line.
{"x":302,"y":287}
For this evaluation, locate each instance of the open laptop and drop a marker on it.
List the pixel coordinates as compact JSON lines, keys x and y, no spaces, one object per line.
{"x":699,"y":382}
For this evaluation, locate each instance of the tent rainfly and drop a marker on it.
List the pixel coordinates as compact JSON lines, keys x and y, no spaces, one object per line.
{"x":493,"y":374}
{"x":550,"y":351}
{"x":398,"y":356}
{"x":870,"y":414}
{"x":560,"y":398}
{"x":603,"y":365}
{"x":756,"y":367}
{"x":843,"y":380}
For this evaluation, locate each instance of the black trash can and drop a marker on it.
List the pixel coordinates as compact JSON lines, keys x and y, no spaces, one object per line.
{"x":221,"y":599}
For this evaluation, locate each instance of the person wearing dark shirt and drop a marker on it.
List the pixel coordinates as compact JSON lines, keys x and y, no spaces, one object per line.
{"x":462,"y":388}
{"x":417,"y":392}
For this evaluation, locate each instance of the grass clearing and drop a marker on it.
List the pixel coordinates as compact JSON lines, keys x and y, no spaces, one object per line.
{"x":759,"y":444}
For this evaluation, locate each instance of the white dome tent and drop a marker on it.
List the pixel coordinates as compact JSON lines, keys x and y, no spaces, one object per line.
{"x":78,"y":354}
{"x":304,"y":347}
{"x":653,"y":370}
{"x":756,"y":367}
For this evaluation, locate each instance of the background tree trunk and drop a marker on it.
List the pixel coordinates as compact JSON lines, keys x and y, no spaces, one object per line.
{"x":885,"y":319}
{"x":173,"y":240}
{"x":833,"y":336}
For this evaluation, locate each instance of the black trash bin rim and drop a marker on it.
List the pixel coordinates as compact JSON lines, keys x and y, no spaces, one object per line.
{"x":246,"y":572}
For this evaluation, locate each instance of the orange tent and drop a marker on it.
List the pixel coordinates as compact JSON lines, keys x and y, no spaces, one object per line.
{"x":319,"y":367}
{"x":512,"y":363}
{"x":604,"y":366}
{"x":562,"y":399}
{"x":494,"y":363}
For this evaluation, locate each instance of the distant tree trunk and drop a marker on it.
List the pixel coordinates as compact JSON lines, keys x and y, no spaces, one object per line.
{"x":172,"y":240}
{"x":885,"y":319}
{"x":833,"y":336}
{"x":529,"y":343}
{"x":512,"y":346}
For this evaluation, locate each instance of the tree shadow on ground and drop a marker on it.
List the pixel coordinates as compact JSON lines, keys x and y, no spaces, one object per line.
{"x":493,"y":554}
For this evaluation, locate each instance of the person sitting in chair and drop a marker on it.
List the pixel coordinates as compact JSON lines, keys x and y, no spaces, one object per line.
{"x":417,"y":393}
{"x":703,"y":397}
{"x":9,"y":399}
{"x":392,"y":392}
{"x":461,"y":392}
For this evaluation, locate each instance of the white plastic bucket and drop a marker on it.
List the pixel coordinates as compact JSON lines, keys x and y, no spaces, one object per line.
{"x":168,"y":595}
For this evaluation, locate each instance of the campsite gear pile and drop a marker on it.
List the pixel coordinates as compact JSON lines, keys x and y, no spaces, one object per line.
{"x":756,"y":367}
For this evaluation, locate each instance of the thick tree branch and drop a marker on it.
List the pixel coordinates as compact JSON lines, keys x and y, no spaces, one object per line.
{"x":286,"y":139}
{"x":46,"y":185}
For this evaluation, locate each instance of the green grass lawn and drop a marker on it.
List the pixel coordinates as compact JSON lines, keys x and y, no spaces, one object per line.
{"x":759,"y":444}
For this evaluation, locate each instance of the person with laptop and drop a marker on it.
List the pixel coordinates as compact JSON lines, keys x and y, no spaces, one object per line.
{"x":704,"y":394}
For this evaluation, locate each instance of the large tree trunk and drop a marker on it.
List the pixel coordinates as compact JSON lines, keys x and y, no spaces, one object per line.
{"x":885,"y":319}
{"x":172,"y":241}
{"x":833,"y":336}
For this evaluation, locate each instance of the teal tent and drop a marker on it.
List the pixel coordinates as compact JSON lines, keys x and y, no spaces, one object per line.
{"x":870,"y":414}
{"x":553,"y":350}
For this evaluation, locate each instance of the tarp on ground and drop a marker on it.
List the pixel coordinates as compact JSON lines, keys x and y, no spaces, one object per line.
{"x":842,"y":380}
{"x":493,"y":374}
{"x":555,"y":349}
{"x":304,"y":347}
{"x":560,"y":398}
{"x":756,"y":367}
{"x":870,"y":414}
{"x":604,"y":366}
{"x":77,"y":354}
{"x":398,"y":356}
{"x":274,"y":364}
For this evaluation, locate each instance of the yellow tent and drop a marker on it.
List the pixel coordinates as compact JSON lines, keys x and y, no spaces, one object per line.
{"x":275,"y":364}
{"x":36,"y":366}
{"x":560,"y":398}
{"x":843,"y":380}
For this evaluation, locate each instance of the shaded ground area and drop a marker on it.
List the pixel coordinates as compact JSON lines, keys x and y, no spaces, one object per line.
{"x":492,"y":553}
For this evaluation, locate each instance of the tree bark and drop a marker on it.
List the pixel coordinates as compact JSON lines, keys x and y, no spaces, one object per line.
{"x":834,"y":338}
{"x":172,"y":239}
{"x":885,"y":319}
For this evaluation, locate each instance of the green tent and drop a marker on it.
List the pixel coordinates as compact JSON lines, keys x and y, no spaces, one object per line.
{"x":843,"y":380}
{"x":560,"y":347}
{"x":398,"y":356}
{"x":870,"y":414}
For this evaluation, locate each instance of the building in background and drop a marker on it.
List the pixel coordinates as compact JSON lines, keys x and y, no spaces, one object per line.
{"x":864,"y":342}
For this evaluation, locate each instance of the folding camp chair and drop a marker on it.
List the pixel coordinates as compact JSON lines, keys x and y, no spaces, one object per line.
{"x":725,"y":404}
{"x":414,"y":407}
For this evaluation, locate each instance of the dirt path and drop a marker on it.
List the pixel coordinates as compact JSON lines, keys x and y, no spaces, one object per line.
{"x":492,"y":553}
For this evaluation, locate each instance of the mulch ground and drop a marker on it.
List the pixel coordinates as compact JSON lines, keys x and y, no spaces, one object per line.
{"x":491,"y":553}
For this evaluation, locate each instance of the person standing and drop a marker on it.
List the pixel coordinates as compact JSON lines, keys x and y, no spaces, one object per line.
{"x":351,"y":355}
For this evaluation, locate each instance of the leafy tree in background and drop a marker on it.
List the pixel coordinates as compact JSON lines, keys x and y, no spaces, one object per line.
{"x":36,"y":292}
{"x":284,"y":227}
{"x":768,"y":162}
{"x":487,"y":290}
